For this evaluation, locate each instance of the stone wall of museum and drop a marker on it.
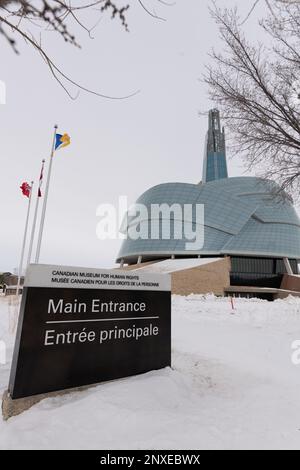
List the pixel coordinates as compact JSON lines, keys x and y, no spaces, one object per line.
{"x":208,"y":278}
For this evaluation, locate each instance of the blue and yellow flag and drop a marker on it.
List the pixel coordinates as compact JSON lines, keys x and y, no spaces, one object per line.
{"x":62,"y":140}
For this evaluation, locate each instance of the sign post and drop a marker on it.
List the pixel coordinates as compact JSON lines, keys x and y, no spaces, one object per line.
{"x":82,"y":326}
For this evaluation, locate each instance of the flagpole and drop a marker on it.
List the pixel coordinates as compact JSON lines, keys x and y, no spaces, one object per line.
{"x":38,"y":195}
{"x":39,"y":243}
{"x":24,"y":240}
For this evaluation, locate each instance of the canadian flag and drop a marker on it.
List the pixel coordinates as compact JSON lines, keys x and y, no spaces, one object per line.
{"x":26,"y":189}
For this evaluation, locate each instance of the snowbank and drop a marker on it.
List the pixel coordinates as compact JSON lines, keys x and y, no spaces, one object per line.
{"x":233,"y":385}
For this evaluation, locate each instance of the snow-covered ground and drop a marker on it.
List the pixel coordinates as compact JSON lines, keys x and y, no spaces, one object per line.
{"x":233,"y":385}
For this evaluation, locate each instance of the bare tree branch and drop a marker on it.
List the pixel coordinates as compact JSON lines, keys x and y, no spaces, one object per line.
{"x":23,"y":18}
{"x":258,"y":89}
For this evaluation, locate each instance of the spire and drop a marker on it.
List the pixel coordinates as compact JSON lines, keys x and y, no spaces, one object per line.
{"x":214,"y":163}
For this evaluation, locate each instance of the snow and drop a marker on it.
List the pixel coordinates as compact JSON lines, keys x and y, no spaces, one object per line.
{"x":232,"y":386}
{"x":173,"y":265}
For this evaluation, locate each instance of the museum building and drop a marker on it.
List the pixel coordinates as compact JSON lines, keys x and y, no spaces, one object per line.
{"x":246,"y":220}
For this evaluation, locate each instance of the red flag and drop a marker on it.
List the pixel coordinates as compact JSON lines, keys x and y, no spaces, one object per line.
{"x":41,"y":180}
{"x":26,"y":189}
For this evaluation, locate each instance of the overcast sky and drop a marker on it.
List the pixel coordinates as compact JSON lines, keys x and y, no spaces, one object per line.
{"x":118,"y":147}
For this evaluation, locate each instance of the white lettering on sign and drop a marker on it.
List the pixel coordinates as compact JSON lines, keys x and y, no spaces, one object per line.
{"x":111,"y":307}
{"x":97,"y":306}
{"x":128,"y":333}
{"x":54,"y":338}
{"x":66,"y":307}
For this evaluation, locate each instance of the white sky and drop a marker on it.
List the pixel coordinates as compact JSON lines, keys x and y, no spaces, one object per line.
{"x":118,"y":147}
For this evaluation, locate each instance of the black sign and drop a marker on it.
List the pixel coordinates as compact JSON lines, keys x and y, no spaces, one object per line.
{"x":73,"y":336}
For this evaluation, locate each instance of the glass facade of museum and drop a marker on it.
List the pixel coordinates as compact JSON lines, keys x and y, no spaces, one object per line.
{"x":263,"y":272}
{"x":214,"y":162}
{"x":241,"y":217}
